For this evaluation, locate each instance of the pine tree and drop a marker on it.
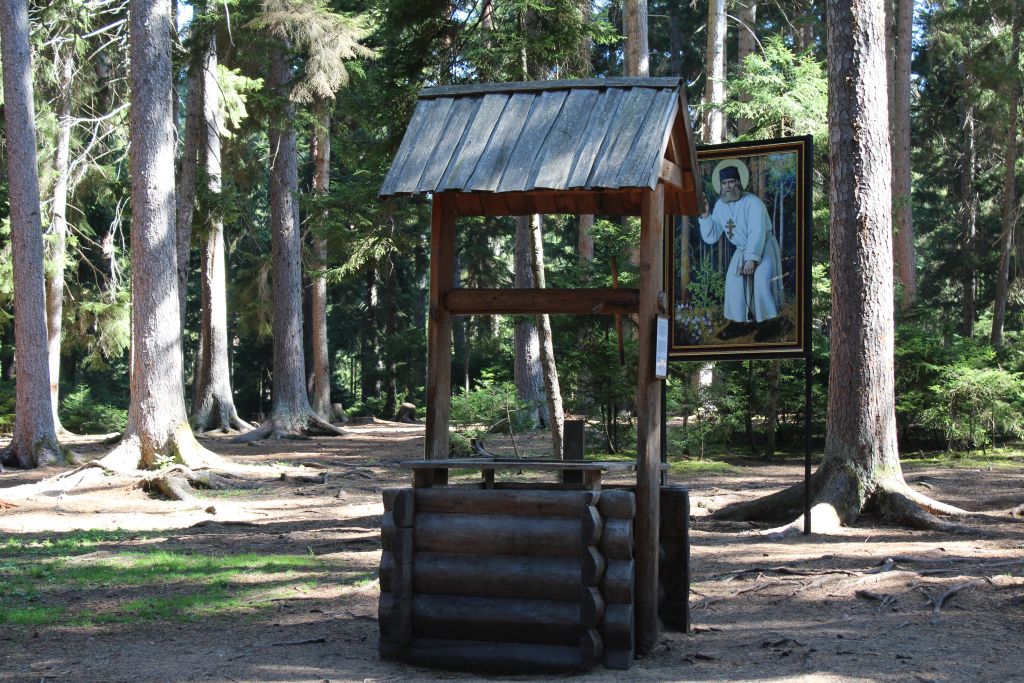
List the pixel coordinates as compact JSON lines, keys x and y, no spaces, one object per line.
{"x":35,"y":441}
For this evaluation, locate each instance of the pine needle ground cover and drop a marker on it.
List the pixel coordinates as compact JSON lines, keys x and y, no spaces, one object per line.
{"x":278,"y":582}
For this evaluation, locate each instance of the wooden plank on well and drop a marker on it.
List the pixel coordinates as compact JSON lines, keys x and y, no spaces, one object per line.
{"x":439,"y":328}
{"x":532,"y":140}
{"x":475,"y":139}
{"x":642,"y":166}
{"x":433,"y":127}
{"x":648,"y":425}
{"x":554,"y":163}
{"x":503,"y":140}
{"x":459,"y":118}
{"x":594,"y":137}
{"x":534,"y":86}
{"x":627,"y":129}
{"x":409,"y":142}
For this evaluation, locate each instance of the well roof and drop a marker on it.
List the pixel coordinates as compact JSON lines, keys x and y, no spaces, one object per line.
{"x":595,"y":134}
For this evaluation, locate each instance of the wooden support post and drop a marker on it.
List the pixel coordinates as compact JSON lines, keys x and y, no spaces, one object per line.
{"x":648,"y":427}
{"x":439,"y":334}
{"x":573,"y":448}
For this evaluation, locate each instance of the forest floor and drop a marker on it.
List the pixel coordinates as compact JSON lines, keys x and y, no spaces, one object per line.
{"x":278,"y":582}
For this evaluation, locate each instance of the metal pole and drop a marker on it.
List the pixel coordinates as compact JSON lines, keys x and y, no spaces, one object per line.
{"x":807,"y":444}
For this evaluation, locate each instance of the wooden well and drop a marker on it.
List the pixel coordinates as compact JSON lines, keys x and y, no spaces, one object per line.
{"x":616,"y":146}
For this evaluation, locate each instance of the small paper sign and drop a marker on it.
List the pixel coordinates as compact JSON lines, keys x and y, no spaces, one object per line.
{"x":661,"y":348}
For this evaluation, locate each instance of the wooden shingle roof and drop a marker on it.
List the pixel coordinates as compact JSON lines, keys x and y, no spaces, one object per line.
{"x":596,"y":134}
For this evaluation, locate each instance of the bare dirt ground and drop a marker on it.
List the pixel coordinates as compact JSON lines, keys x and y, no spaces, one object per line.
{"x":859,"y":606}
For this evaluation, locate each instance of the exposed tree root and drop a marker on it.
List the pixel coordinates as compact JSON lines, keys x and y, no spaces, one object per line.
{"x":179,"y":483}
{"x":833,"y":505}
{"x":181,"y":466}
{"x":292,"y":426}
{"x":40,"y":454}
{"x":219,"y":416}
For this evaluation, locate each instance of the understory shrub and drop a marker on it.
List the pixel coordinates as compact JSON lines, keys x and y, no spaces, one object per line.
{"x":81,"y":412}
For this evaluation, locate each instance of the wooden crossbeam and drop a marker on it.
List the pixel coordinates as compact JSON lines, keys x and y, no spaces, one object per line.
{"x":539,"y":301}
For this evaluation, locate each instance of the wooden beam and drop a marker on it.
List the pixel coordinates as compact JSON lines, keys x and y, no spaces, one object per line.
{"x":683,"y":134}
{"x":541,"y":301}
{"x":648,"y":421}
{"x":534,"y":86}
{"x":671,"y":173}
{"x":439,"y":328}
{"x":621,"y":202}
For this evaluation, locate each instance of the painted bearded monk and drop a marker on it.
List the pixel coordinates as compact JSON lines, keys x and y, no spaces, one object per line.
{"x":753,"y":280}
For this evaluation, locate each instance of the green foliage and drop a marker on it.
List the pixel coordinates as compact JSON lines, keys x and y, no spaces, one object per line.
{"x":976,"y":406}
{"x":952,"y":390}
{"x":328,"y":40}
{"x":490,"y":403}
{"x":81,"y":412}
{"x":6,"y":407}
{"x":785,"y":93}
{"x":233,"y":88}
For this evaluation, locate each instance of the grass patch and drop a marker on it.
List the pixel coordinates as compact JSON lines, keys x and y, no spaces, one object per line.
{"x":702,"y":467}
{"x":230,"y":493}
{"x":72,"y":543}
{"x":158,"y":585}
{"x":994,"y":457}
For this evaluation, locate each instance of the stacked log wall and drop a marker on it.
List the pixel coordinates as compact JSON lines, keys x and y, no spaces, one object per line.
{"x":507,"y":581}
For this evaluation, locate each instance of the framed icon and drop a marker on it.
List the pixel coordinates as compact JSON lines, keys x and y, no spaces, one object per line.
{"x":740,"y":274}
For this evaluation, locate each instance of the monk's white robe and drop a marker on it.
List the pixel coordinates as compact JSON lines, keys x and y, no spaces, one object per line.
{"x":753,"y":298}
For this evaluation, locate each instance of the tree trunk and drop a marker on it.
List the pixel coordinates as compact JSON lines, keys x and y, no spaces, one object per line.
{"x":860,"y":446}
{"x":903,"y":239}
{"x":320,"y":394}
{"x":969,"y":205}
{"x":861,"y":461}
{"x":746,"y":41}
{"x":369,"y":360}
{"x":637,"y":58}
{"x":748,"y":421}
{"x":547,"y":349}
{"x":585,"y":246}
{"x":186,"y":197}
{"x":290,"y":413}
{"x":675,"y":40}
{"x":771,"y":420}
{"x":1009,"y":185}
{"x":529,"y":377}
{"x":56,"y":246}
{"x":35,"y":442}
{"x":714,"y":87}
{"x":214,"y":404}
{"x":157,"y":429}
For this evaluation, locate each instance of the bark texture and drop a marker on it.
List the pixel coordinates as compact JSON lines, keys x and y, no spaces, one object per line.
{"x":1009,"y":208}
{"x":547,"y":349}
{"x":714,"y":87}
{"x":34,"y":442}
{"x":746,"y":43}
{"x":861,"y":462}
{"x":585,"y":244}
{"x":903,"y":238}
{"x":186,"y":195}
{"x":638,"y":61}
{"x":320,"y":392}
{"x":969,"y":205}
{"x":56,"y":246}
{"x":527,"y":371}
{"x":860,"y":446}
{"x":291,"y":414}
{"x":158,"y":430}
{"x":214,"y":405}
